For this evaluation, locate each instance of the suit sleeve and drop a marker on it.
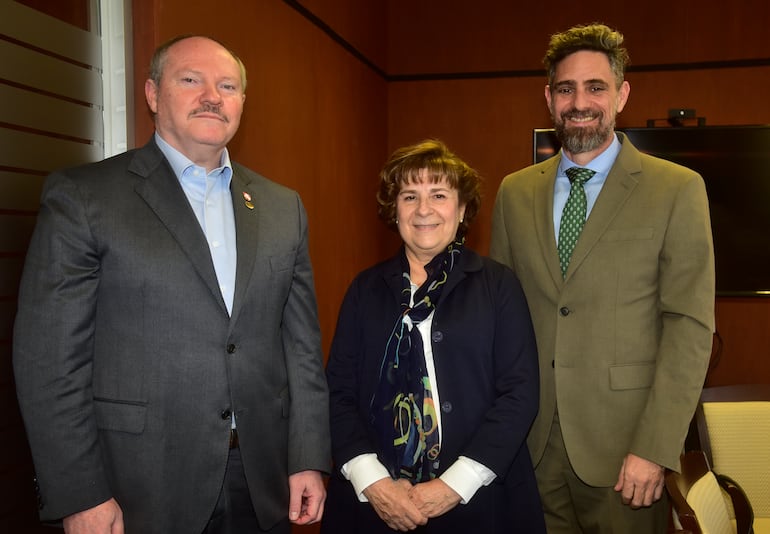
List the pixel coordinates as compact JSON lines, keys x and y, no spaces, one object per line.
{"x":53,"y":353}
{"x":686,"y":295}
{"x":309,"y":441}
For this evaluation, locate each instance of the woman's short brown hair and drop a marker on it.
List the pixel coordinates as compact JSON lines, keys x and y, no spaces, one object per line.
{"x":405,"y":166}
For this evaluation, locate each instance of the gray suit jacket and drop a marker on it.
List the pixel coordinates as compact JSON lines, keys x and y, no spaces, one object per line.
{"x":128,"y":365}
{"x":624,"y":340}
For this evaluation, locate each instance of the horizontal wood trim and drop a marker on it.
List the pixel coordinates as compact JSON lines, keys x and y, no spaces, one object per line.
{"x":42,"y":72}
{"x":48,"y":114}
{"x":47,"y":33}
{"x":20,"y":191}
{"x":21,"y":150}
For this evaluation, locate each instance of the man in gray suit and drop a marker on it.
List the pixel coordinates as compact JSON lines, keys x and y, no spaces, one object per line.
{"x":167,"y":348}
{"x":623,"y":317}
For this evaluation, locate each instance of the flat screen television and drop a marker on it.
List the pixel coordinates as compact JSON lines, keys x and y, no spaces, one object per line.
{"x":735,"y":164}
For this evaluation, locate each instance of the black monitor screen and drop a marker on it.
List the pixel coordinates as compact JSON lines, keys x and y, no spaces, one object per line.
{"x":735,"y":164}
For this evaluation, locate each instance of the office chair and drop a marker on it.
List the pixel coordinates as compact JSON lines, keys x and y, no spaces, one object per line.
{"x":733,"y":430}
{"x":703,"y":502}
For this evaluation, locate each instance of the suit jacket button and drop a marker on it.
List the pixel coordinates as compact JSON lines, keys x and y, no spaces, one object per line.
{"x":437,"y":336}
{"x":230,"y":348}
{"x":446,"y":406}
{"x":225,"y":414}
{"x":564,"y":311}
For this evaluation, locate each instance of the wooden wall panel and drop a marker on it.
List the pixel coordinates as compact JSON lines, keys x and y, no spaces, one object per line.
{"x":44,"y":113}
{"x":75,"y":12}
{"x":488,"y":123}
{"x":51,"y":86}
{"x":742,"y":349}
{"x":361,"y":25}
{"x":723,"y":96}
{"x":443,"y":36}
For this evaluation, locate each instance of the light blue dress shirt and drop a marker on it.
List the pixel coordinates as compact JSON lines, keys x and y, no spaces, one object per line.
{"x":601,"y":164}
{"x":210,"y":199}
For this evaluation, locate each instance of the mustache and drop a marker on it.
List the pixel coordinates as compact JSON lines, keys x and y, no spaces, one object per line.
{"x":209,"y":108}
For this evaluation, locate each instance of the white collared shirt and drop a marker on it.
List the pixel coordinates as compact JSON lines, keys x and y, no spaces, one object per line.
{"x":211,"y":201}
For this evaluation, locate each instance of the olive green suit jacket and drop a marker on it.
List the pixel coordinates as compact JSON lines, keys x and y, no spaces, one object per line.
{"x":624,"y":339}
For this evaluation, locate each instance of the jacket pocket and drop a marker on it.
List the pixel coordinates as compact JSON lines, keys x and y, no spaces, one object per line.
{"x":285,"y":400}
{"x":632,"y":376}
{"x":120,"y":416}
{"x":283,"y":262}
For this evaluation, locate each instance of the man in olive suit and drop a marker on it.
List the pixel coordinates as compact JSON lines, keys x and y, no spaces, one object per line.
{"x":623,"y":316}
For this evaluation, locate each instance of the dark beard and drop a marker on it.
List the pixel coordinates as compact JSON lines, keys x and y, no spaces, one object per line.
{"x":580,"y":140}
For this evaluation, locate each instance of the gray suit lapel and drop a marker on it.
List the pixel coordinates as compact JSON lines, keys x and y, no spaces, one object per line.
{"x":247,"y":209}
{"x":163,"y":194}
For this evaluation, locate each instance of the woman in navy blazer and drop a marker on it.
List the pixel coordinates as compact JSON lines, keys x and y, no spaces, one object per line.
{"x":433,"y":371}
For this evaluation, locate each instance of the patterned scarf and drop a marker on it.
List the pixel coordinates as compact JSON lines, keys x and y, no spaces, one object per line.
{"x":402,"y":408}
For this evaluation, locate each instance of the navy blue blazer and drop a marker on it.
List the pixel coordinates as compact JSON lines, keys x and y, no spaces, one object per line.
{"x":486,"y":369}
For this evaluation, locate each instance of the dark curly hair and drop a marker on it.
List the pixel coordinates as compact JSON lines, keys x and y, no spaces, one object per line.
{"x":595,"y":37}
{"x":432,"y":155}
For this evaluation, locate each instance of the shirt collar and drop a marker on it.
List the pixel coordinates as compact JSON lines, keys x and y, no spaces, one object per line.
{"x":180,"y":163}
{"x":601,"y":164}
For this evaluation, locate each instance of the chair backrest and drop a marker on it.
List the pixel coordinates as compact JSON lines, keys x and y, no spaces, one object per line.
{"x":700,"y":505}
{"x":733,"y":424}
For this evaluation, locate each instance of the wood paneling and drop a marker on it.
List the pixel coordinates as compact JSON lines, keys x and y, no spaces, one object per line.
{"x":489,"y":35}
{"x":49,"y":73}
{"x":75,"y":12}
{"x":361,"y":25}
{"x":44,"y":113}
{"x":742,"y":347}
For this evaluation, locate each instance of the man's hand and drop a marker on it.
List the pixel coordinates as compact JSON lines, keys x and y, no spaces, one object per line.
{"x":106,"y":518}
{"x":640,"y":481}
{"x":434,"y":498}
{"x":390,"y":499}
{"x":307,"y":494}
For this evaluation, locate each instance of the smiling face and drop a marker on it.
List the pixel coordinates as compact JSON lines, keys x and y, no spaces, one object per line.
{"x":583,"y":100}
{"x":199,"y":100}
{"x":428,"y":217}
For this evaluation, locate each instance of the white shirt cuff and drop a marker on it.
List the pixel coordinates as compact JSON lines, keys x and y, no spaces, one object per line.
{"x":363,"y":471}
{"x":466,"y":476}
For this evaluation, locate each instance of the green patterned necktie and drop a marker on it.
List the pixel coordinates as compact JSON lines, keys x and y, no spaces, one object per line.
{"x":574,"y":215}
